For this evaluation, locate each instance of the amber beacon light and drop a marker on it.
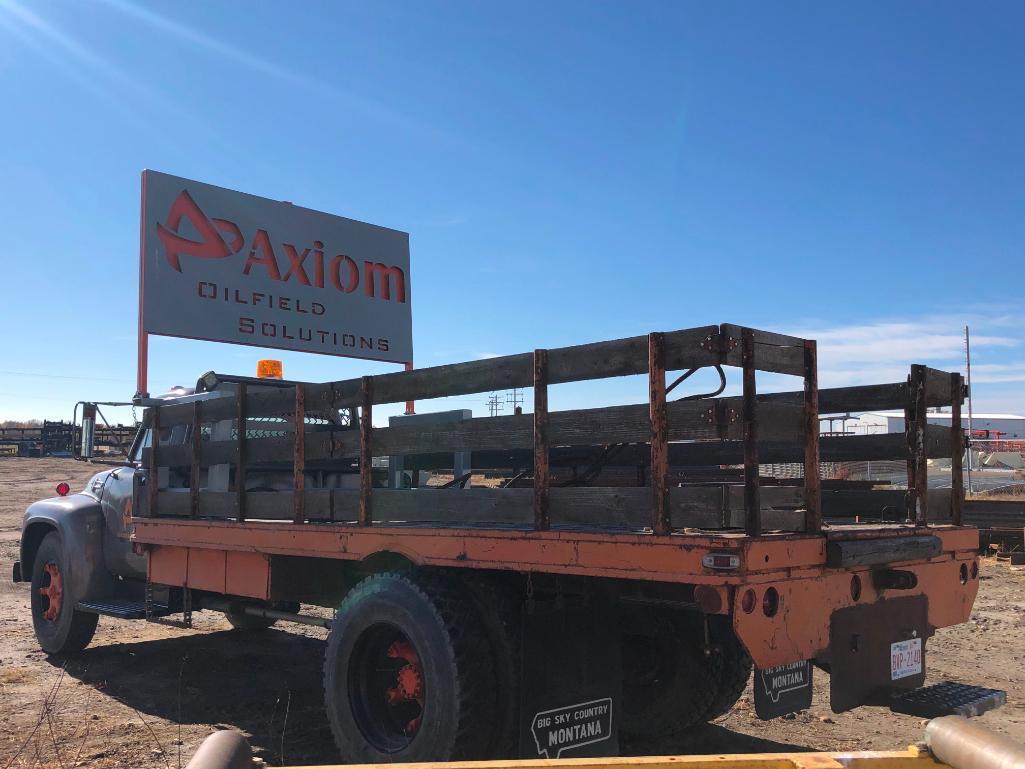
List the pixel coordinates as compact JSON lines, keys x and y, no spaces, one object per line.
{"x":268,"y":369}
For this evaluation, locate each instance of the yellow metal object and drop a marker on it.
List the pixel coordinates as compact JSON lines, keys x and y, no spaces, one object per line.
{"x":268,"y":369}
{"x":912,"y":758}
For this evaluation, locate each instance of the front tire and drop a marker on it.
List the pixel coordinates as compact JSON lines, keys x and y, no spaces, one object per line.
{"x":60,"y":628}
{"x":409,"y":673}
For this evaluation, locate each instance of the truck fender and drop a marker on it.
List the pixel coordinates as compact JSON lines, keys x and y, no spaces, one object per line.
{"x":78,"y":521}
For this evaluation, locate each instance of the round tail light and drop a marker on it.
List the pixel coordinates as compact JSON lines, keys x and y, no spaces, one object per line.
{"x":63,"y":489}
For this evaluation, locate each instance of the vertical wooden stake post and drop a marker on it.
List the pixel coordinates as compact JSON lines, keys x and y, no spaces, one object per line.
{"x":242,"y":420}
{"x":153,"y":476}
{"x":956,"y":451}
{"x":366,"y":456}
{"x":197,"y":442}
{"x":918,"y":461}
{"x":812,"y":482}
{"x":752,"y":500}
{"x":299,"y":456}
{"x":541,"y":480}
{"x":661,"y":523}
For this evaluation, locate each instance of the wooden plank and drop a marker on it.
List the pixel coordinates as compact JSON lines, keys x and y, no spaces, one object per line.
{"x":366,"y":455}
{"x":687,"y":420}
{"x":752,"y":507}
{"x":812,"y":483}
{"x":597,"y":360}
{"x":873,"y":552}
{"x":299,"y":454}
{"x":659,"y":434}
{"x":956,"y":453}
{"x":541,"y":440}
{"x":845,"y":400}
{"x":775,"y":352}
{"x":241,"y":419}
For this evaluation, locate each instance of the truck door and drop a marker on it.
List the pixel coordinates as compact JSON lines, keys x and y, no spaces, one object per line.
{"x":116,"y":501}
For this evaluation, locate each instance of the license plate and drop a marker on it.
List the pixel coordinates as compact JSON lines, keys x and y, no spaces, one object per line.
{"x":905,"y":658}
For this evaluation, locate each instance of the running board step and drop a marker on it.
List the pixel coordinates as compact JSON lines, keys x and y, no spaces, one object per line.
{"x":948,"y":698}
{"x":122,"y":608}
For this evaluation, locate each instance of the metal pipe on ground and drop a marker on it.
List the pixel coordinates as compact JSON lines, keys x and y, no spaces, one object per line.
{"x":223,"y":750}
{"x":956,"y":741}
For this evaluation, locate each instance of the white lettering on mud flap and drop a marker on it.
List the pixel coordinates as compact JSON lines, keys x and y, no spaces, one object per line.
{"x":905,"y":658}
{"x":572,"y":726}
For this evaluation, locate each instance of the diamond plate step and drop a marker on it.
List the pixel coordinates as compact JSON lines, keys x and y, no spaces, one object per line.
{"x":948,"y":698}
{"x":122,"y":608}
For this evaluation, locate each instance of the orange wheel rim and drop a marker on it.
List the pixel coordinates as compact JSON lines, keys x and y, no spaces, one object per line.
{"x":53,"y":591}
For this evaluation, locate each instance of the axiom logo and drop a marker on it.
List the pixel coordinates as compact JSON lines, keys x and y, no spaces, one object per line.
{"x":308,"y":266}
{"x":212,"y":245}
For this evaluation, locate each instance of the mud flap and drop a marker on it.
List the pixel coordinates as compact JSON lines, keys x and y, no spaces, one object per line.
{"x":782,"y":690}
{"x":571,"y":680}
{"x":877,"y":650}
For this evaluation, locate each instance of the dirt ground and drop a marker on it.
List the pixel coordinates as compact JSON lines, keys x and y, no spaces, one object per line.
{"x":146,"y":694}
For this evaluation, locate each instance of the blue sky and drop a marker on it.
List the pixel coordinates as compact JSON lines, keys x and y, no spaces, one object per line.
{"x":567,"y":172}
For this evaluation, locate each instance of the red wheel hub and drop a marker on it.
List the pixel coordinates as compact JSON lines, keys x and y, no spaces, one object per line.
{"x":409,"y":681}
{"x":54,"y":591}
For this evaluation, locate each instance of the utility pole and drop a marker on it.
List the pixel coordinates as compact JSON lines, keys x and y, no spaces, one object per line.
{"x":515,"y":399}
{"x":494,"y":404}
{"x":968,"y":443}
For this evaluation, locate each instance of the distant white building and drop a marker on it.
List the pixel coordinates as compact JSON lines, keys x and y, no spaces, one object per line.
{"x":1005,"y":427}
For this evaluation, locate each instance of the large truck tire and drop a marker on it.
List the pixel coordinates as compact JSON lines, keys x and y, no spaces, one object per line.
{"x":732,"y":671}
{"x":60,"y":628}
{"x":409,"y":672}
{"x":498,"y":605}
{"x":668,"y":681}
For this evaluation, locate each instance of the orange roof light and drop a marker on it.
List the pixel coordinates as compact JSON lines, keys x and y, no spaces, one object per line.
{"x":268,"y":369}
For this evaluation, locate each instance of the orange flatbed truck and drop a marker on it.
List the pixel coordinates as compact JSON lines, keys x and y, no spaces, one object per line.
{"x":629,"y":569}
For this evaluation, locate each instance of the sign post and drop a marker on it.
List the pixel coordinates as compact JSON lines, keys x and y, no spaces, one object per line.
{"x":225,"y":266}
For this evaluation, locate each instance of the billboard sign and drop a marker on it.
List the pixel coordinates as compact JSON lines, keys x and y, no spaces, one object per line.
{"x":225,"y":266}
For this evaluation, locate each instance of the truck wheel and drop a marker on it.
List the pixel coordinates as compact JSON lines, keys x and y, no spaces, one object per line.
{"x":408,"y":672}
{"x":668,"y":683}
{"x":241,"y":621}
{"x":498,"y":607}
{"x":60,"y":628}
{"x":733,"y":669}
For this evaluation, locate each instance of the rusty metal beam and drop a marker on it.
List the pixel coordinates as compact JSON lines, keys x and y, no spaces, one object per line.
{"x":752,"y":501}
{"x":299,"y":455}
{"x":659,"y":433}
{"x":366,"y":456}
{"x":541,"y":475}
{"x":812,"y":481}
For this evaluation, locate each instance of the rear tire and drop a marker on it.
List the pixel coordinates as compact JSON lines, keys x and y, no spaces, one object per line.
{"x":60,"y":628}
{"x":733,"y":670}
{"x":668,"y":683}
{"x":409,"y":672}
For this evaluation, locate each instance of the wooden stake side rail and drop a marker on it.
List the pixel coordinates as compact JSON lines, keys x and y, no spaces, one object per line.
{"x":689,"y":348}
{"x":656,"y":436}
